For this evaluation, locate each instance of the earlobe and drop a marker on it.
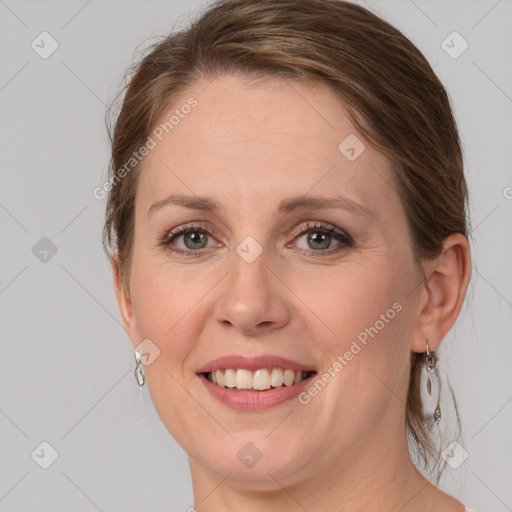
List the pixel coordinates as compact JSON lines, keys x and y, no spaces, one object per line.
{"x":443,"y":292}
{"x":123,"y":300}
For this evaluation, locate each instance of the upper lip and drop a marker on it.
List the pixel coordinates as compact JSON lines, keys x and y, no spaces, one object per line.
{"x":253,"y":363}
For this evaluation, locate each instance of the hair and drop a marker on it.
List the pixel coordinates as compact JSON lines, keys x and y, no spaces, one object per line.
{"x":387,"y":87}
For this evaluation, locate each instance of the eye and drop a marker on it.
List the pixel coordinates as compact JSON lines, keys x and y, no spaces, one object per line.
{"x":188,"y":239}
{"x":322,"y":238}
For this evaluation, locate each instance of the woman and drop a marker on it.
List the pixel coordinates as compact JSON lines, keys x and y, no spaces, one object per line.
{"x":288,"y":235}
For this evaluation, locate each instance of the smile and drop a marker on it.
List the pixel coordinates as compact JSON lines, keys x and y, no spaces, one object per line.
{"x":259,"y":380}
{"x":255,"y":383}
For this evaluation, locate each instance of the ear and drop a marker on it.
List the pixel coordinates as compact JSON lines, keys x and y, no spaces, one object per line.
{"x":124,"y":301}
{"x":442,"y":293}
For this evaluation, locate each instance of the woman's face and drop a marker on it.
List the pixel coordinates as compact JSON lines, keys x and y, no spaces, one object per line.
{"x":297,"y":247}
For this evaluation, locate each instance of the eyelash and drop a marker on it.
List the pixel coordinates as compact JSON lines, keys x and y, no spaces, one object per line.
{"x":342,"y":237}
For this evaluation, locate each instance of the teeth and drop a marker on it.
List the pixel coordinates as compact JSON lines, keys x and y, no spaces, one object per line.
{"x":259,"y":380}
{"x":289,"y":377}
{"x":230,"y":379}
{"x":220,"y":378}
{"x":243,"y":379}
{"x":276,"y":377}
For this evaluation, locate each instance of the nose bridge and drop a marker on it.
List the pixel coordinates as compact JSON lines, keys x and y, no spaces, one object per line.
{"x":252,"y":300}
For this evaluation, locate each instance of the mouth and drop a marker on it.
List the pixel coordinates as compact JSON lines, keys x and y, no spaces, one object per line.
{"x":254,"y":383}
{"x":260,"y":380}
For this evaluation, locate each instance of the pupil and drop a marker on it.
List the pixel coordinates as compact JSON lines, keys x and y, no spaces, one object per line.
{"x":323,"y":239}
{"x":195,"y":238}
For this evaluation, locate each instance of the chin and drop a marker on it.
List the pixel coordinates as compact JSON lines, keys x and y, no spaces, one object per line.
{"x":256,"y":465}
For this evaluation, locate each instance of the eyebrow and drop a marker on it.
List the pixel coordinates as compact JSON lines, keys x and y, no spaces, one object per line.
{"x":309,"y":202}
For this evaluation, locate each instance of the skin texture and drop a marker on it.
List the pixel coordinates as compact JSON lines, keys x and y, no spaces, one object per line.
{"x":249,"y":146}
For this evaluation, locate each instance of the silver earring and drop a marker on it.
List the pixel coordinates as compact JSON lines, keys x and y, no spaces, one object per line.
{"x":140,"y":377}
{"x":430,"y":388}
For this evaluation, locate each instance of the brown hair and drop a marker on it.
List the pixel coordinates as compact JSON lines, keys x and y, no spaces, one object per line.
{"x":388,"y":88}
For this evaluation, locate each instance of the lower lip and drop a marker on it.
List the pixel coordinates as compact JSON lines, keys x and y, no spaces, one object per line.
{"x":246,"y":400}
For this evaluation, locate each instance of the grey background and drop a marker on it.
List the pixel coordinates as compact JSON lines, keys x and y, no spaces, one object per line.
{"x":66,"y":364}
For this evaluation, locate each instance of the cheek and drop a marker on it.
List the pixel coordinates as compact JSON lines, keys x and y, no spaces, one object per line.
{"x":163,"y":304}
{"x":164,"y":308}
{"x":161,"y":297}
{"x":356,"y":303}
{"x":366,"y":344}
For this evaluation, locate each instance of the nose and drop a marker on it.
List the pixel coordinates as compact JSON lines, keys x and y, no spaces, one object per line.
{"x":253,"y":299}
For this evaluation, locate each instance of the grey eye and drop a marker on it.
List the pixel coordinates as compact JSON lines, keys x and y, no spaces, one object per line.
{"x":195,"y":239}
{"x":318,"y":240}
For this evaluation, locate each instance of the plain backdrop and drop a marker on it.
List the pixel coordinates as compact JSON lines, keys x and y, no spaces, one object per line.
{"x":66,"y":377}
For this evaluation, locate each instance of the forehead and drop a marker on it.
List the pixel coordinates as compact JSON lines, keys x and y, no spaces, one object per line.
{"x":255,"y":140}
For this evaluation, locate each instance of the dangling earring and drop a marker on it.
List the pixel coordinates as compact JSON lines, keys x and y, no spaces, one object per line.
{"x":140,"y":377}
{"x":430,"y":388}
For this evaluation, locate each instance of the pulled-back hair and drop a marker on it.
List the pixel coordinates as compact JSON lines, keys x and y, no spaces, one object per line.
{"x":386,"y":85}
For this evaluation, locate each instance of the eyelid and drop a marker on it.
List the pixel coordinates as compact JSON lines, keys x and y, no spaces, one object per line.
{"x":320,"y":225}
{"x":169,"y":235}
{"x":190,"y":226}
